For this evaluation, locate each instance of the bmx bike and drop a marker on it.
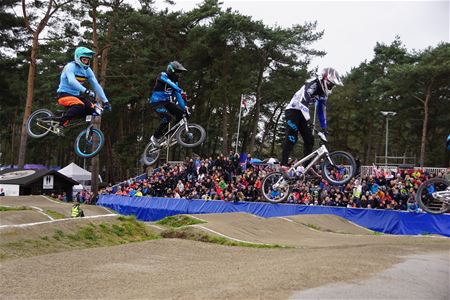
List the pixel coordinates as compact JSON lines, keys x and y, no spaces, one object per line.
{"x":186,"y":134}
{"x":88,"y":143}
{"x":337,"y":168}
{"x":433,"y":196}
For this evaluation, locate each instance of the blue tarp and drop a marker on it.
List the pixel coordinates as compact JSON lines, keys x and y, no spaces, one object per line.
{"x":386,"y":221}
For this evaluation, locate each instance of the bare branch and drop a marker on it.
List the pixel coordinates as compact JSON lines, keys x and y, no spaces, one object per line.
{"x":104,"y":48}
{"x":420,"y":99}
{"x":51,"y":12}
{"x":25,"y":17}
{"x":44,"y":20}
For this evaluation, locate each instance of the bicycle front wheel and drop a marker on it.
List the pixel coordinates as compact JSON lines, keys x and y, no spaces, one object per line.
{"x":37,"y":127}
{"x":275,"y":188}
{"x":88,"y":145}
{"x":338,"y":168}
{"x":151,"y":154}
{"x":433,"y":196}
{"x":191,"y":137}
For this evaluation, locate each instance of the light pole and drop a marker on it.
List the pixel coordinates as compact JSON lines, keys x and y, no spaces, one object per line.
{"x":387,"y":114}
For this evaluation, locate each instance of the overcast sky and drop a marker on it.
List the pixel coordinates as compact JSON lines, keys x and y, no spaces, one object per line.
{"x":352,"y":28}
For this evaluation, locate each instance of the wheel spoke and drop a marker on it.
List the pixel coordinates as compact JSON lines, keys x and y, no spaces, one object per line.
{"x":339,"y":168}
{"x":275,"y":188}
{"x":434,"y":196}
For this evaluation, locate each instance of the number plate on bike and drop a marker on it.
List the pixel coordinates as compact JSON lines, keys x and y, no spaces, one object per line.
{"x":88,"y":118}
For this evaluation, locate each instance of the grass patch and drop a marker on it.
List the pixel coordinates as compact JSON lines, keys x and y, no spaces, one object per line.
{"x":376,"y":233}
{"x":7,"y":208}
{"x":179,"y":221}
{"x":127,"y":230}
{"x":200,"y":236}
{"x":122,"y":231}
{"x":313,"y":226}
{"x":55,"y":214}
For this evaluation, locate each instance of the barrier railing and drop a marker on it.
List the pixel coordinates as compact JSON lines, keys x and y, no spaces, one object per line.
{"x":369,"y":170}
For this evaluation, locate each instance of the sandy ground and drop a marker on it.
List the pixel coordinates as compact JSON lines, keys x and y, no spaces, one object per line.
{"x":321,"y":265}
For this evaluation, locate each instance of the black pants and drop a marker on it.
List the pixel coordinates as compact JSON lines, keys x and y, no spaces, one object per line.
{"x":165,"y":111}
{"x":295,"y":123}
{"x":77,"y":110}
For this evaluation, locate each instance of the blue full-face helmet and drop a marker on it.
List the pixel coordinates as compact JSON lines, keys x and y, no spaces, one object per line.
{"x":83,"y":52}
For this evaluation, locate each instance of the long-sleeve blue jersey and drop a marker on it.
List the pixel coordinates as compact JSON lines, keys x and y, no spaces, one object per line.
{"x":310,"y":93}
{"x":73,"y":77}
{"x":164,"y":89}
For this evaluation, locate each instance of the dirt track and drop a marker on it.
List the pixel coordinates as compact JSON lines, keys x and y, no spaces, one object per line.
{"x":172,"y":268}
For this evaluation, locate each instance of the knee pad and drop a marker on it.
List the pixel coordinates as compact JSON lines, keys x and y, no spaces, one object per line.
{"x":161,"y":110}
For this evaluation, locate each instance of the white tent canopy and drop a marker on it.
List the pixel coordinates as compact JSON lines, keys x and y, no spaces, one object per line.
{"x":76,"y":172}
{"x":271,"y":161}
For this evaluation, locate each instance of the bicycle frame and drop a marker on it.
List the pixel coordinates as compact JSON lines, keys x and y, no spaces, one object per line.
{"x":315,"y":156}
{"x":443,"y":196}
{"x":88,"y":118}
{"x":170,"y":134}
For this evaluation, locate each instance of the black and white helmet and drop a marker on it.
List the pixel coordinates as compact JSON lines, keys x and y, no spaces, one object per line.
{"x":175,"y":67}
{"x":328,"y":79}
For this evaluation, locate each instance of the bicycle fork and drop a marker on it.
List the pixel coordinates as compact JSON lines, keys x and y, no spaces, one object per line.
{"x":88,"y":135}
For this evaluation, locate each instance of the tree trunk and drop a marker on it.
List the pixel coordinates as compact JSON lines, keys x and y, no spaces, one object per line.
{"x":29,"y":101}
{"x":13,"y":137}
{"x":104,"y":56}
{"x":381,"y":142}
{"x":97,"y":121}
{"x":275,"y":130}
{"x":424,"y":126}
{"x":226,"y":104}
{"x":225,"y":123}
{"x":254,"y":131}
{"x":368,"y":143}
{"x":269,"y":125}
{"x":32,"y":70}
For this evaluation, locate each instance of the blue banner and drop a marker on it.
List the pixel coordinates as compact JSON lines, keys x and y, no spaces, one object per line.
{"x":386,"y":221}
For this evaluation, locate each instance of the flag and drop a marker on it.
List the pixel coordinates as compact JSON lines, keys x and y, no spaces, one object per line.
{"x":247,"y":103}
{"x":243,"y":161}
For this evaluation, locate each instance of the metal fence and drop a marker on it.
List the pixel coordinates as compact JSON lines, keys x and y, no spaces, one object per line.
{"x":369,"y":170}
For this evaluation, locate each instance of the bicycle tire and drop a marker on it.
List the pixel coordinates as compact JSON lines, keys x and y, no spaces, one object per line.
{"x":271,"y":193}
{"x":346,"y":172}
{"x":33,"y":119}
{"x":182,"y":130}
{"x":426,"y":200}
{"x":150,"y":154}
{"x":90,"y":152}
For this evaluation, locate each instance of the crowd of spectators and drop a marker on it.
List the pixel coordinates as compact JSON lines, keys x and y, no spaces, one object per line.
{"x":224,"y":178}
{"x":83,"y":197}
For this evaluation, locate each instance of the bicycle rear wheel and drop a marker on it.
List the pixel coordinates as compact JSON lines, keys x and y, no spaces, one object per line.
{"x":433,"y":196}
{"x":151,"y":154}
{"x":36,"y":125}
{"x":192,"y":137}
{"x":87,"y":146}
{"x":275,"y":188}
{"x":338,"y":168}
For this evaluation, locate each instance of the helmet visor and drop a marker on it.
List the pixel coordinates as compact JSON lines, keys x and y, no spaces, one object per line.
{"x":330,"y":85}
{"x":85,"y":60}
